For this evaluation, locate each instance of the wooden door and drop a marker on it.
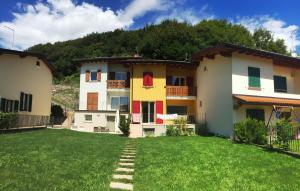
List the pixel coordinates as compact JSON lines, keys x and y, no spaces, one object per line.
{"x":92,"y":101}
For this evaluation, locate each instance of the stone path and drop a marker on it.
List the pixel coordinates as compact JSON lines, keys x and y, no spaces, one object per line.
{"x":123,"y":176}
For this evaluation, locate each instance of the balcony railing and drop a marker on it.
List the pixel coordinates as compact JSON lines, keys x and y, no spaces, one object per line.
{"x":117,"y":84}
{"x":181,"y":91}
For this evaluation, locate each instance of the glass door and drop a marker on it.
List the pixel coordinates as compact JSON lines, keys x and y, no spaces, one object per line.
{"x":148,"y":112}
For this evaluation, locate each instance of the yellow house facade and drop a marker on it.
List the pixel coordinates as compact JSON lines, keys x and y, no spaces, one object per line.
{"x":171,"y":91}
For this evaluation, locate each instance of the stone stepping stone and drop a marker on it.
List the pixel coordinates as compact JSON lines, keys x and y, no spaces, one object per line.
{"x":133,"y":153}
{"x":129,"y":149}
{"x":121,"y":186}
{"x":125,"y":170}
{"x":127,"y":156}
{"x":122,"y":176}
{"x":127,"y":160}
{"x":126,"y":164}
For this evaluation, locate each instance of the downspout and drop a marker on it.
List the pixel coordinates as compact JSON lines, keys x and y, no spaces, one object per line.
{"x":131,"y":86}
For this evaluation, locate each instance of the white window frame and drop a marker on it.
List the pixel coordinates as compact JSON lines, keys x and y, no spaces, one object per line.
{"x":154,"y":112}
{"x":119,"y":103}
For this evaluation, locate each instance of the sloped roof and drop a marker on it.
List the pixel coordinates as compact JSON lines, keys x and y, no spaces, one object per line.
{"x":260,"y":100}
{"x":25,"y":53}
{"x":227,"y":49}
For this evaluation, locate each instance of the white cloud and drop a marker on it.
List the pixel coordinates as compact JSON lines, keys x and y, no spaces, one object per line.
{"x":59,"y":20}
{"x":187,"y":15}
{"x":278,"y":28}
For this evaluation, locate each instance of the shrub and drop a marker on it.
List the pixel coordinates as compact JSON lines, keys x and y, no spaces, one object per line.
{"x":172,"y":130}
{"x":201,"y":129}
{"x":57,"y":111}
{"x":8,"y":120}
{"x":250,"y":131}
{"x":285,"y":132}
{"x":125,"y":125}
{"x":179,"y":127}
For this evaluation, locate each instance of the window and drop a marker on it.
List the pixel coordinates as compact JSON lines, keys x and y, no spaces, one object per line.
{"x":258,"y":114}
{"x":121,"y":76}
{"x":93,"y":75}
{"x":254,"y":77}
{"x":9,"y":105}
{"x":178,"y":81}
{"x":280,"y":84}
{"x":25,"y":102}
{"x":180,"y":110}
{"x":147,"y":79}
{"x":88,"y":117}
{"x":120,"y":103}
{"x":148,"y":112}
{"x":115,"y":102}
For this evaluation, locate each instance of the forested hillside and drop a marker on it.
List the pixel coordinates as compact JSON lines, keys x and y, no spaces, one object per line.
{"x":168,"y":40}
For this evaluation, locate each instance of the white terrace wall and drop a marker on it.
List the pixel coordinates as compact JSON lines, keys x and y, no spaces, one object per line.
{"x":214,"y":94}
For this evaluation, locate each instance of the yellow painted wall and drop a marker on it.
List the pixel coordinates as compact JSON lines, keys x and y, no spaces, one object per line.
{"x":155,"y":93}
{"x":190,"y":104}
{"x":22,"y":75}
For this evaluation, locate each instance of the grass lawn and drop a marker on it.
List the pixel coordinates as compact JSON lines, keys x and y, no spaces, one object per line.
{"x":210,"y":163}
{"x":58,"y":160}
{"x":69,"y":160}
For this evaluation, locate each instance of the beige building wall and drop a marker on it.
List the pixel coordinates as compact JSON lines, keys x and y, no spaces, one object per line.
{"x":21,"y":74}
{"x":214,"y":98}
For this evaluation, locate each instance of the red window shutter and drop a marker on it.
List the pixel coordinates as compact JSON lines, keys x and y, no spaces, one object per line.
{"x":87,"y":75}
{"x":99,"y":75}
{"x":136,"y":107}
{"x":159,"y":110}
{"x":147,"y":79}
{"x":150,"y":79}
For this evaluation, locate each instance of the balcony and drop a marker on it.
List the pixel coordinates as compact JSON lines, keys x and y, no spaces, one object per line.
{"x":117,"y":84}
{"x":181,"y":91}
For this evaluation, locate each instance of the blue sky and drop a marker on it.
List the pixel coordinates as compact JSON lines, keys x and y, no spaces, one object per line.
{"x":42,"y":21}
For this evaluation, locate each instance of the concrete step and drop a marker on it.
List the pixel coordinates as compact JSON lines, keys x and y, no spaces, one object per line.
{"x":126,"y":164}
{"x":127,"y":156}
{"x":121,"y":186}
{"x":127,"y":160}
{"x":122,"y":176}
{"x":124,"y":170}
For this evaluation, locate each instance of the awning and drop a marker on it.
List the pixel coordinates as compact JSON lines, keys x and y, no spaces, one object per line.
{"x":260,"y":100}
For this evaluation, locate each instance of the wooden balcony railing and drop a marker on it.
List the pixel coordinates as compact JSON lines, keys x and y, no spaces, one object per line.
{"x":117,"y":84}
{"x":181,"y":91}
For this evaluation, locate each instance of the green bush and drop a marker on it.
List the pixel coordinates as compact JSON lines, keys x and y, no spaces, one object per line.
{"x":8,"y":120}
{"x":285,"y":132}
{"x":179,"y":128}
{"x":57,"y":111}
{"x":202,"y":129}
{"x":125,"y":125}
{"x":250,"y":131}
{"x":172,"y":130}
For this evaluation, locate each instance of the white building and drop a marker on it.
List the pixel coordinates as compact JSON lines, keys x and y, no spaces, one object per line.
{"x":231,"y":83}
{"x":104,"y":91}
{"x":235,"y":82}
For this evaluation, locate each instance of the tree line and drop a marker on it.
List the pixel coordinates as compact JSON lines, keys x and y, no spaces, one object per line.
{"x":167,"y":40}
